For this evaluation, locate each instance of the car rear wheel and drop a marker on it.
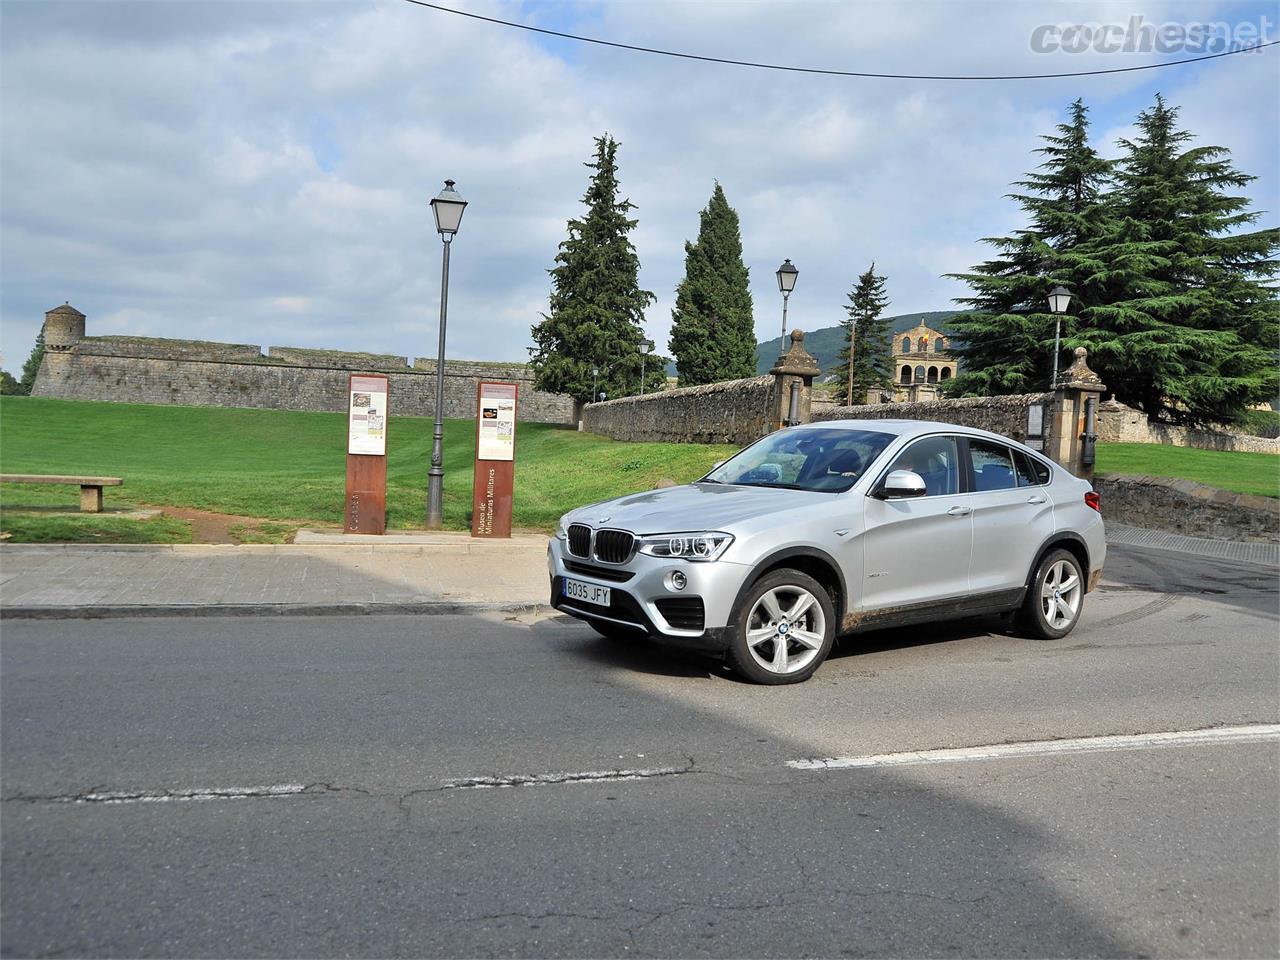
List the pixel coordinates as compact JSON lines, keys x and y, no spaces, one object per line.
{"x":782,"y":629}
{"x":1056,"y":598}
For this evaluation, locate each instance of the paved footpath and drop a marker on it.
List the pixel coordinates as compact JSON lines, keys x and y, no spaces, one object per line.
{"x":439,"y":573}
{"x":333,"y":573}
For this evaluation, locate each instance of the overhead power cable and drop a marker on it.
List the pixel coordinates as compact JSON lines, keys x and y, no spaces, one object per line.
{"x":836,"y":73}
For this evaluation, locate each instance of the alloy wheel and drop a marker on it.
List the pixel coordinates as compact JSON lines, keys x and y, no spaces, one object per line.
{"x":786,"y":629}
{"x":1060,"y":595}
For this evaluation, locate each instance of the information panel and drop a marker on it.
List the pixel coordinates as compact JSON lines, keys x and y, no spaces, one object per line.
{"x":494,"y":482}
{"x":497,"y":430}
{"x":366,"y":505}
{"x":367,"y":416}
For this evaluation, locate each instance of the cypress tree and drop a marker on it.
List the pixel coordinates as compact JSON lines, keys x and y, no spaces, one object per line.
{"x":867,"y":335}
{"x":1190,"y":327}
{"x":32,"y":366}
{"x":1005,"y":345}
{"x":596,"y":305}
{"x":713,"y":331}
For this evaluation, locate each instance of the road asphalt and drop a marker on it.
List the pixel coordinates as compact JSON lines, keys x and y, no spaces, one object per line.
{"x":513,"y":785}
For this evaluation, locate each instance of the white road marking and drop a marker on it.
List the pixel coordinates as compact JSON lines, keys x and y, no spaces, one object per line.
{"x":1252,"y":733}
{"x":541,"y":779}
{"x":175,"y":796}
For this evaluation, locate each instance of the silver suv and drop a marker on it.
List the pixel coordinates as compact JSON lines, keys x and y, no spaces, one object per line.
{"x":824,"y":529}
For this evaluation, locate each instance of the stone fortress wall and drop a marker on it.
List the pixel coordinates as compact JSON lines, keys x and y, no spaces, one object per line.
{"x":208,"y":374}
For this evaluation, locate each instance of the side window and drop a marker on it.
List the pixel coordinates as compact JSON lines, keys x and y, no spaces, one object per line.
{"x":936,"y":460}
{"x":1031,"y":472}
{"x":992,"y":466}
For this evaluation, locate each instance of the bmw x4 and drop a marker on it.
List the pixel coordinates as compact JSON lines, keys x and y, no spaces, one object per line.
{"x":826,"y":529}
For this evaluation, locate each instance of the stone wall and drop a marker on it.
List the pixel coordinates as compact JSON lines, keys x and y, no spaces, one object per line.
{"x":1006,"y":416}
{"x":735,"y":411}
{"x":1187,"y":507}
{"x":196,"y":373}
{"x":1118,"y":423}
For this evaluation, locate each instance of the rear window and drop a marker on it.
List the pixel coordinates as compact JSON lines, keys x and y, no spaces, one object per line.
{"x":1031,"y":472}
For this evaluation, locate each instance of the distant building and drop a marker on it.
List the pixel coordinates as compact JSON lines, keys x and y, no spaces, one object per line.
{"x":922,"y":362}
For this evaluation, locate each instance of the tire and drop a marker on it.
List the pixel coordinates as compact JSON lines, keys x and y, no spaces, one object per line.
{"x":611,"y":632}
{"x":766,"y":613}
{"x":1050,"y":610}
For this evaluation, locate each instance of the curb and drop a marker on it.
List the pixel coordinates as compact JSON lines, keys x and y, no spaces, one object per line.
{"x":428,"y":608}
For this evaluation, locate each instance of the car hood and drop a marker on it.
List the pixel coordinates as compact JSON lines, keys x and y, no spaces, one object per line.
{"x":696,"y":506}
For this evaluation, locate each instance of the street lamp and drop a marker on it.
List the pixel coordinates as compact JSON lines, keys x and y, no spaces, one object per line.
{"x":1059,"y":300}
{"x":447,"y":207}
{"x":595,"y":378}
{"x":786,"y":283}
{"x":645,"y":347}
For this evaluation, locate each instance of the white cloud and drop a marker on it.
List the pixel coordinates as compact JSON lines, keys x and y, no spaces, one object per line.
{"x":258,"y":172}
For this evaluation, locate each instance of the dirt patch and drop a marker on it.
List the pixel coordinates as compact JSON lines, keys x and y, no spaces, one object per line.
{"x":209,"y":527}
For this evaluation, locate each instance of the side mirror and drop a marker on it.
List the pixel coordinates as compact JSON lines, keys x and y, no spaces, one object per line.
{"x":901,"y":484}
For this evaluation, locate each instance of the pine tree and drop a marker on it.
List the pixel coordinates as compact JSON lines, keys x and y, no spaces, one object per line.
{"x":713,"y":329}
{"x":1190,"y":326}
{"x":32,"y":366}
{"x":1006,"y":344}
{"x":868,"y":336}
{"x":596,"y":304}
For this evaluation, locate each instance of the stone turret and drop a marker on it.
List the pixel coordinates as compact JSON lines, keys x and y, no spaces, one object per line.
{"x":63,"y":328}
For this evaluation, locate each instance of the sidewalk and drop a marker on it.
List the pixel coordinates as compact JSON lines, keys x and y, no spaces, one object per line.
{"x":323,"y":573}
{"x":336,"y":573}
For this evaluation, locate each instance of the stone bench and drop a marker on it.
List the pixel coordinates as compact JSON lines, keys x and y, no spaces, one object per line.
{"x":90,"y":487}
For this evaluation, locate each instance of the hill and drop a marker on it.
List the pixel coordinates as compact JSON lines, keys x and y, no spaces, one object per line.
{"x":825,"y":343}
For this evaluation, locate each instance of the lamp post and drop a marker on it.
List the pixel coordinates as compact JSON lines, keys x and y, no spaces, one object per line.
{"x":447,"y":207}
{"x":645,"y":347}
{"x":786,"y":283}
{"x":1059,"y":299}
{"x":595,"y":379}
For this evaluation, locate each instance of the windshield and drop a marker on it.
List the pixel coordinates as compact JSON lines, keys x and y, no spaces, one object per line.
{"x":822,"y":460}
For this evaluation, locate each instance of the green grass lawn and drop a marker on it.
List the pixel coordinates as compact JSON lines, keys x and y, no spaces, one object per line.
{"x":290,"y":466}
{"x":1257,"y":473}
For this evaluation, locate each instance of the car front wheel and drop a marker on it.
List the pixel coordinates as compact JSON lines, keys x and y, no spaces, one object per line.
{"x":782,"y":630}
{"x":1056,"y":598}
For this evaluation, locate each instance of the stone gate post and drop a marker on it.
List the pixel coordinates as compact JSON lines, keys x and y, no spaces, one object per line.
{"x":797,"y":365}
{"x":1076,"y":387}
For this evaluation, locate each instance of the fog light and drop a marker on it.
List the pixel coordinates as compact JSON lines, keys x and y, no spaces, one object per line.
{"x":679,"y":581}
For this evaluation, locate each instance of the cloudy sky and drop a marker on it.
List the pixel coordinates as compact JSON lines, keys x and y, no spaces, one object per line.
{"x":259,"y":172}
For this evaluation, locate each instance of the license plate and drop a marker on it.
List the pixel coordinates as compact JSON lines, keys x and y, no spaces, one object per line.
{"x":586,"y":592}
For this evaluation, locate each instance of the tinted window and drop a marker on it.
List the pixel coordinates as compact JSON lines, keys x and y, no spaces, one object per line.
{"x":935,"y":460}
{"x":1031,"y":472}
{"x":992,"y":466}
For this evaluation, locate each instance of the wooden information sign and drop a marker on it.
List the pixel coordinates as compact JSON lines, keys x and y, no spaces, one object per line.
{"x":494,"y":482}
{"x":366,"y":503}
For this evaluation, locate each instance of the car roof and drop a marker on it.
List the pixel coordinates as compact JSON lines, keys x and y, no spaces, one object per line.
{"x":905,"y":428}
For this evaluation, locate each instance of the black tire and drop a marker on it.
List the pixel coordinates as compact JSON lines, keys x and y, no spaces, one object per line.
{"x":1049,"y":575}
{"x":807,"y":643}
{"x":613,"y":632}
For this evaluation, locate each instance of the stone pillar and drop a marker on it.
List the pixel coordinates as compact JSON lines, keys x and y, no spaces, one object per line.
{"x":797,"y":365}
{"x":1076,"y":386}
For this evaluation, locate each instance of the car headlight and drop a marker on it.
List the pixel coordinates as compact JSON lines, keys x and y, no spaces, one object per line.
{"x":686,"y":546}
{"x":562,"y":529}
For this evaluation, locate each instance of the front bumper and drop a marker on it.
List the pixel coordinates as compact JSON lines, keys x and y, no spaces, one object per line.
{"x":640,"y":591}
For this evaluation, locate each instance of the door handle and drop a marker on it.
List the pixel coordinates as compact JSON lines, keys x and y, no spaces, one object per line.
{"x":1036,"y":499}
{"x":959,"y":511}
